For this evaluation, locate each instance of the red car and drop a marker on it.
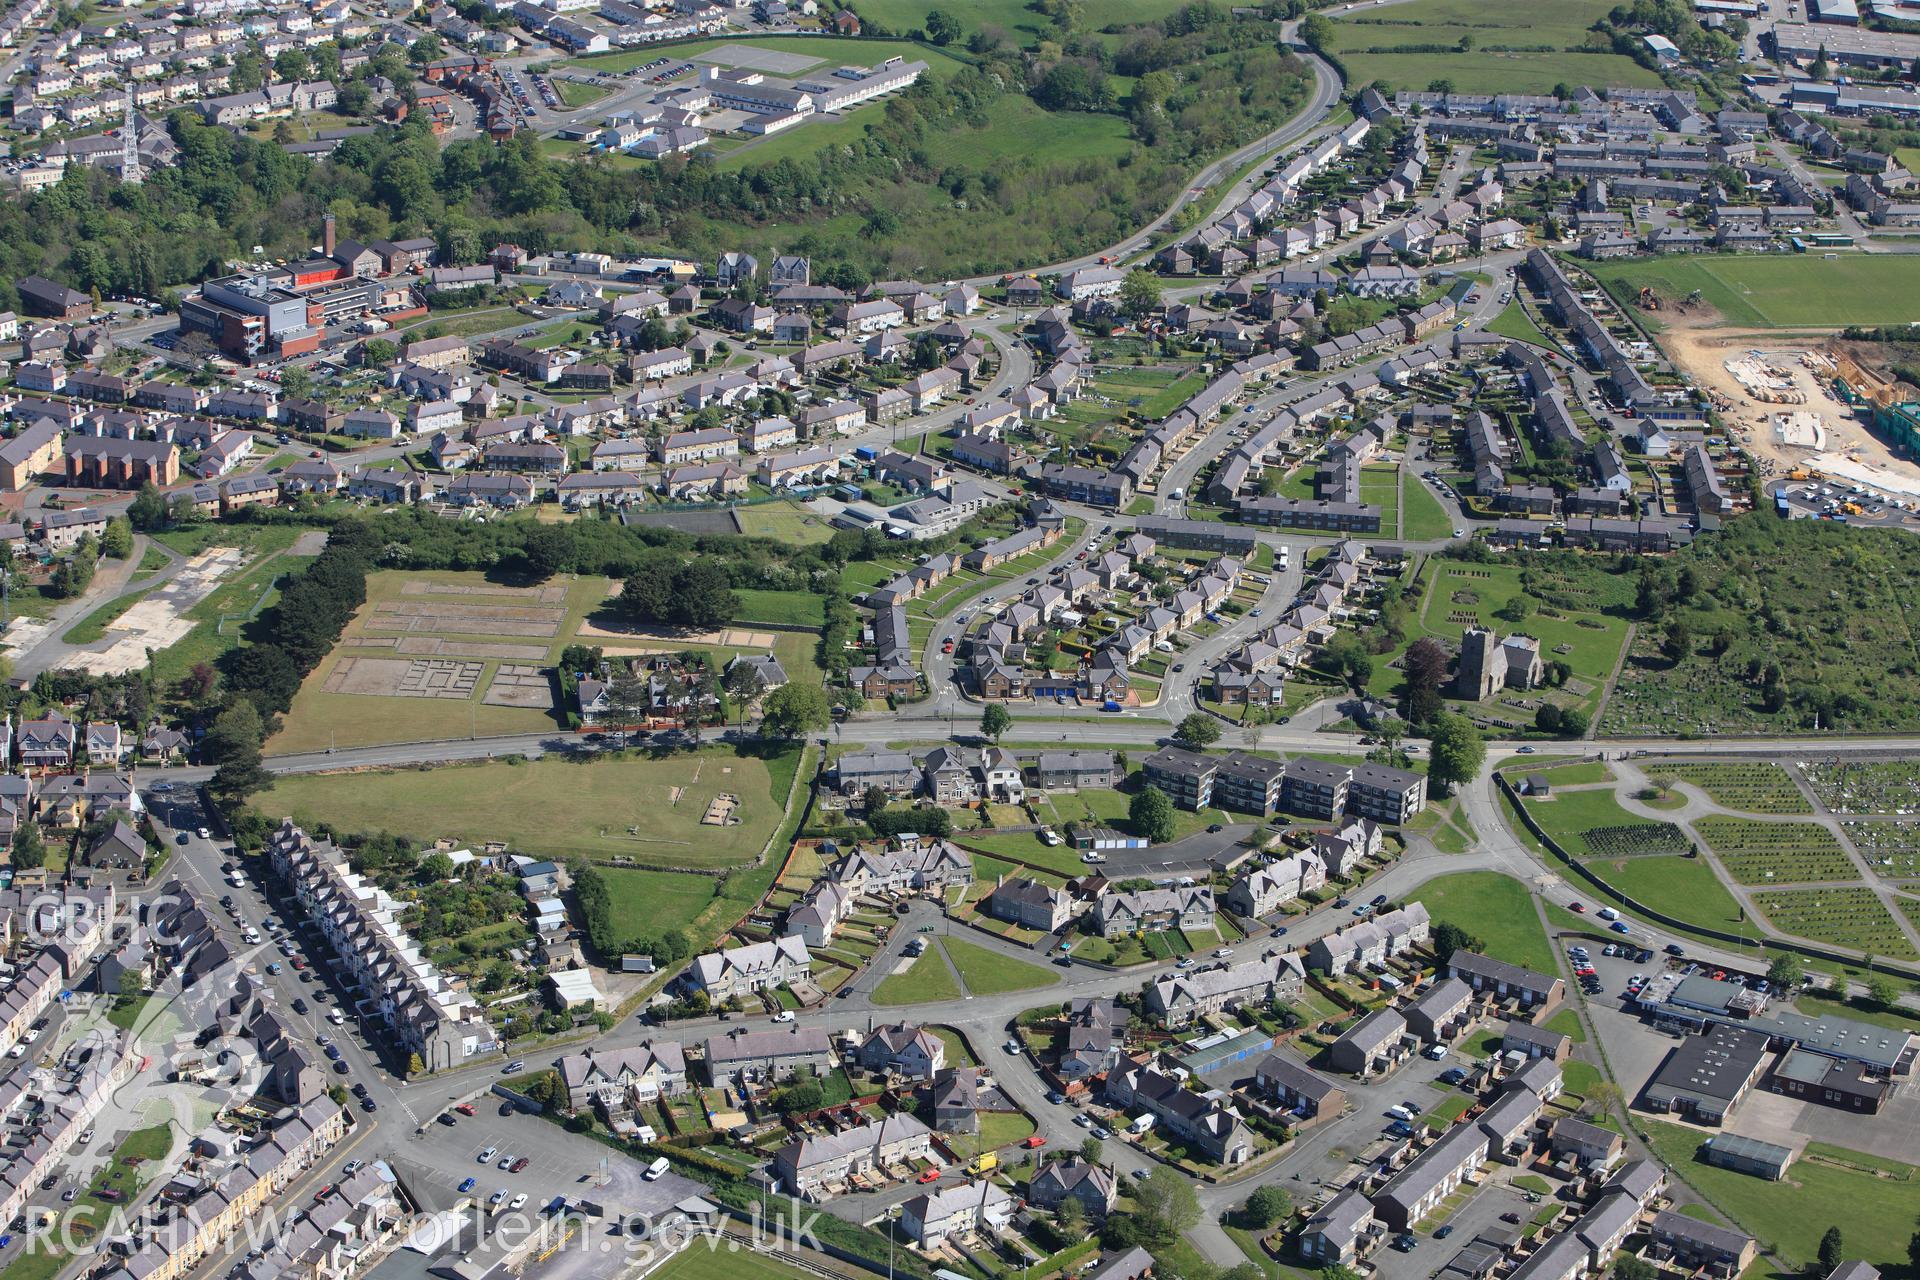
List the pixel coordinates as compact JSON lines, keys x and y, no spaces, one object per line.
{"x":1578,"y":908}
{"x":1034,"y":1141}
{"x":465,"y":1108}
{"x":519,"y":1164}
{"x":928,"y":1175}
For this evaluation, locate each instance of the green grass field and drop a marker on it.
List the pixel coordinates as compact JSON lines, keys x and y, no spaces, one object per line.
{"x":636,"y":807}
{"x":646,"y":902}
{"x":1018,"y":129}
{"x":1422,"y":517}
{"x":698,"y":1262}
{"x":1493,"y":907}
{"x":928,"y":979}
{"x":575,"y":94}
{"x":1570,"y":775}
{"x":322,"y":719}
{"x":1684,"y":888}
{"x":1789,"y":1217}
{"x":1779,"y":289}
{"x":1560,"y":24}
{"x":1514,"y":322}
{"x":785,"y":521}
{"x":822,"y":49}
{"x":988,"y":973}
{"x":1380,"y":485}
{"x":1567,"y":815}
{"x":782,"y":608}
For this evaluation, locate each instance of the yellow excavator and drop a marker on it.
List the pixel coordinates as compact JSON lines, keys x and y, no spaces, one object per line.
{"x":1648,"y":301}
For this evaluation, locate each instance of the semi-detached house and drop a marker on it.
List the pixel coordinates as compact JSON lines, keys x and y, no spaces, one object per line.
{"x":1154,"y":911}
{"x":812,"y":1167}
{"x":1185,"y":998}
{"x":698,"y":446}
{"x":1202,"y":1121}
{"x":741,"y":971}
{"x":616,"y":1081}
{"x":767,"y":1057}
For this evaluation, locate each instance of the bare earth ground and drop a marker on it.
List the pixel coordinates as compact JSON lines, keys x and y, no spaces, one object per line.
{"x":671,"y":636}
{"x":1700,"y":347}
{"x":160,"y":619}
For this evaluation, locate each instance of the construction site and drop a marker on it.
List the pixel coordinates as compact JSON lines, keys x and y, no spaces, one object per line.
{"x":1802,"y":409}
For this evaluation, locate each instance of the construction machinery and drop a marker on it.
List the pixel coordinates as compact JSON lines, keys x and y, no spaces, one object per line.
{"x":1647,"y":300}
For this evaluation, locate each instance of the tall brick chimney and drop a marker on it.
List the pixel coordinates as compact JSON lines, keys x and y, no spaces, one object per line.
{"x":326,"y":236}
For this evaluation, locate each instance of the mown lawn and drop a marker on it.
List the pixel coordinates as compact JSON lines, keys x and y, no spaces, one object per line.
{"x":1779,"y":289}
{"x":1422,"y":518}
{"x":927,"y":979}
{"x":1568,"y":815}
{"x":784,"y":521}
{"x":634,"y":805}
{"x":1492,"y":907}
{"x":1684,"y":888}
{"x":989,"y":973}
{"x":647,"y":902}
{"x":1789,"y":1217}
{"x":702,"y":1263}
{"x":782,"y":608}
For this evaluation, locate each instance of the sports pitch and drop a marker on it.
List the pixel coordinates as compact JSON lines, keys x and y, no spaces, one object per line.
{"x":646,"y":809}
{"x":1780,"y":290}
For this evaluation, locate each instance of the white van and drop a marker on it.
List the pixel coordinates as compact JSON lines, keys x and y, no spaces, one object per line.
{"x":1141,"y":1125}
{"x":1400,"y":1112}
{"x":655,"y":1169}
{"x":1608,"y":913}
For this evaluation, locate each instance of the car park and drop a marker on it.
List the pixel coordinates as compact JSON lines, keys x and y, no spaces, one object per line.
{"x":468,"y":1184}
